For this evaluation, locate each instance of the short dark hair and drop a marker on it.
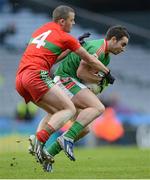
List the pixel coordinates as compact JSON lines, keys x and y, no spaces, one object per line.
{"x":61,"y":12}
{"x":118,"y":31}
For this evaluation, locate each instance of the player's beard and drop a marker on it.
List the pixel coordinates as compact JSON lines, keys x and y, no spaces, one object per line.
{"x":115,"y":52}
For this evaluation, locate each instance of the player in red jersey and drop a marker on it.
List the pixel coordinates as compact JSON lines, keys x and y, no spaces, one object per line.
{"x":33,"y":81}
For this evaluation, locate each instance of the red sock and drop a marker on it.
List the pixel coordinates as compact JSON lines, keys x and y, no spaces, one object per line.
{"x":42,"y":135}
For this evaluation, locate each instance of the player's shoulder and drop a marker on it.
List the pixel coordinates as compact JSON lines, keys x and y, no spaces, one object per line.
{"x":93,"y":44}
{"x":69,"y":39}
{"x":95,"y":41}
{"x":47,"y":25}
{"x":67,"y":36}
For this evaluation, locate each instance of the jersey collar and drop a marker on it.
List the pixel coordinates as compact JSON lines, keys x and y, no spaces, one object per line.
{"x":103,"y":48}
{"x":56,"y":25}
{"x":105,"y":45}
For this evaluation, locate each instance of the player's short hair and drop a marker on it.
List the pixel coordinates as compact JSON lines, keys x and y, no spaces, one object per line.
{"x":61,"y":12}
{"x":118,"y":31}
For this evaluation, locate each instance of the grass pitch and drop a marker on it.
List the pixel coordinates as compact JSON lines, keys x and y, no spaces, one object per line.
{"x":95,"y":163}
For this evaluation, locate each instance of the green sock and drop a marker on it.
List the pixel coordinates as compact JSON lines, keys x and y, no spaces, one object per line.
{"x":74,"y":131}
{"x":54,"y":149}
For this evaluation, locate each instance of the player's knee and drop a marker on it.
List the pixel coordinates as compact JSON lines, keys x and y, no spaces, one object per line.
{"x":101,"y":109}
{"x":72,"y":110}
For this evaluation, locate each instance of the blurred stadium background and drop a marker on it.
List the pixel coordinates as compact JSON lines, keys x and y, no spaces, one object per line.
{"x":128,"y":100}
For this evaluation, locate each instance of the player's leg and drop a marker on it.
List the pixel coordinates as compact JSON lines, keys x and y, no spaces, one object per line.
{"x":66,"y":110}
{"x":90,"y":104}
{"x":41,"y":125}
{"x":92,"y":109}
{"x":55,"y":148}
{"x":82,"y":134}
{"x":85,"y":131}
{"x":43,"y":122}
{"x":56,"y":98}
{"x":44,"y":93}
{"x":45,"y":158}
{"x":84,"y":99}
{"x":49,"y":160}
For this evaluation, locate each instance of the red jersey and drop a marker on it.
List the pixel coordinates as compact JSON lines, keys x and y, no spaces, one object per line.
{"x":46,"y":44}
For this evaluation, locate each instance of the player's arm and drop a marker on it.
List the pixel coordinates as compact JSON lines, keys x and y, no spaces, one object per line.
{"x":72,"y":44}
{"x":81,"y":40}
{"x":91,"y":60}
{"x":85,"y":73}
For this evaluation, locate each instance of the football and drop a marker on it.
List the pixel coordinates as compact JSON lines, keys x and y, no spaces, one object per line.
{"x":95,"y":88}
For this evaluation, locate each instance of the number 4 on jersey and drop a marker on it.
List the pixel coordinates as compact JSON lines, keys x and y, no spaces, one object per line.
{"x":39,"y":40}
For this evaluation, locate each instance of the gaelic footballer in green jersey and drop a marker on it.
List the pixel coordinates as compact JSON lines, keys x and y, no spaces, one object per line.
{"x":66,"y":73}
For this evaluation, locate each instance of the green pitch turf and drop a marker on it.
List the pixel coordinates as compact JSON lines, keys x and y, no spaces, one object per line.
{"x":95,"y":163}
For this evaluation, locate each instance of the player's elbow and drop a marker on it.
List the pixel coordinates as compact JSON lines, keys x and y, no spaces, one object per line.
{"x":80,"y":75}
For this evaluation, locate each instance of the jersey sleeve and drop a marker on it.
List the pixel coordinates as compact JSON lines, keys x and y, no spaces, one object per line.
{"x":71,"y":43}
{"x":91,"y":49}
